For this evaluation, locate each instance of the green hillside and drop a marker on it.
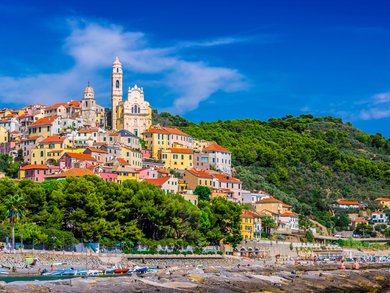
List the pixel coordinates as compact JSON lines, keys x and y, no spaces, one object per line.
{"x":306,"y":161}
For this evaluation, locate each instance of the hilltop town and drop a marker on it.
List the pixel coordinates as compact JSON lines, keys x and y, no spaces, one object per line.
{"x":77,"y":138}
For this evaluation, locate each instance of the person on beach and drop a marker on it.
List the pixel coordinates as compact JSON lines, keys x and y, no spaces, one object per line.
{"x":342,"y":267}
{"x":356,"y":265}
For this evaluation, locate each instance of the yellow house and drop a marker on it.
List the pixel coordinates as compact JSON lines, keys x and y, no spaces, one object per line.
{"x":3,"y":135}
{"x":247,"y":225}
{"x":125,"y":172}
{"x":195,"y":177}
{"x":49,"y":150}
{"x":131,"y":156}
{"x":157,"y":137}
{"x":177,"y":158}
{"x":272,"y":205}
{"x":42,"y":127}
{"x":383,"y":201}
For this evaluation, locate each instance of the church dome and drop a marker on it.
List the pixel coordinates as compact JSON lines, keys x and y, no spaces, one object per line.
{"x":88,"y":89}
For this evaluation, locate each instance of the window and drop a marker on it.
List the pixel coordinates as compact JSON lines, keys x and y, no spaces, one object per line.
{"x":117,"y":82}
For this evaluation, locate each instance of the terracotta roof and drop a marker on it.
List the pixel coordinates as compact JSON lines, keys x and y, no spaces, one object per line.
{"x":265,"y":210}
{"x":74,"y":104}
{"x":161,"y":170}
{"x":378,"y":212}
{"x":288,"y":214}
{"x":360,"y":220}
{"x":382,"y":199}
{"x":32,"y":167}
{"x":157,"y":181}
{"x":55,"y":106}
{"x":77,"y":172}
{"x":269,"y":200}
{"x":80,"y":156}
{"x":33,"y":137}
{"x":166,"y":130}
{"x":181,"y":150}
{"x":286,"y":205}
{"x":122,"y":161}
{"x":88,"y":130}
{"x":224,"y":178}
{"x":200,"y":173}
{"x":249,"y":214}
{"x":346,"y":202}
{"x":53,"y":138}
{"x":215,"y":147}
{"x":95,"y":150}
{"x":44,"y":121}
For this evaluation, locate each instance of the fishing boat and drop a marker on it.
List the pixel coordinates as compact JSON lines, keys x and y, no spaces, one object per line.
{"x":121,"y":270}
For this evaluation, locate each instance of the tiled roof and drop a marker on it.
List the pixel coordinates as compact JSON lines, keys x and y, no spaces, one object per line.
{"x":32,"y":167}
{"x":92,"y":130}
{"x":360,"y":220}
{"x":77,"y":172}
{"x":200,"y":173}
{"x":157,"y":181}
{"x":378,"y":213}
{"x":80,"y":156}
{"x":55,"y":106}
{"x":382,"y":199}
{"x":166,"y":130}
{"x":224,"y":178}
{"x":95,"y":150}
{"x":33,"y":137}
{"x":249,"y":214}
{"x":269,"y":200}
{"x":181,"y":150}
{"x":122,"y":161}
{"x":346,"y":202}
{"x":215,"y":147}
{"x":44,"y":121}
{"x":53,"y":138}
{"x":288,"y":214}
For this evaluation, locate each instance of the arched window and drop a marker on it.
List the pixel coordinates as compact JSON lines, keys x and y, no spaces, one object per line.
{"x":117,"y":70}
{"x":117,"y":84}
{"x":132,"y":109}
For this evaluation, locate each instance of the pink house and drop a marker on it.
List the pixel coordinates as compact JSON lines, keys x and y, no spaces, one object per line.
{"x":101,"y":156}
{"x":106,"y":174}
{"x":75,"y":160}
{"x":146,"y":154}
{"x":148,"y":173}
{"x":37,"y":173}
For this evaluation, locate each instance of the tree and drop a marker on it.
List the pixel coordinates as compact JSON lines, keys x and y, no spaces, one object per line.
{"x":203,"y":192}
{"x":268,"y":223}
{"x":14,"y":206}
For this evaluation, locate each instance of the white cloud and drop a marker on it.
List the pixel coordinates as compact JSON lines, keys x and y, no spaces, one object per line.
{"x":381,"y":98}
{"x":93,"y":47}
{"x":373,"y":111}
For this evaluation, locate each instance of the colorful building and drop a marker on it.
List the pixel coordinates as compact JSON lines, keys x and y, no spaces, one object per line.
{"x":44,"y":127}
{"x":219,"y":158}
{"x":49,"y":150}
{"x":167,"y":184}
{"x":383,"y":201}
{"x":158,"y":137}
{"x":37,"y":173}
{"x":74,"y":160}
{"x":176,"y":158}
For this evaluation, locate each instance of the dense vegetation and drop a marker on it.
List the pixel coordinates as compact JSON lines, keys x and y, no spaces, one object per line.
{"x":83,"y":209}
{"x":306,"y":161}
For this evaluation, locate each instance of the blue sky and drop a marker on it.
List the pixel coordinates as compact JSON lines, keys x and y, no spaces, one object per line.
{"x":205,"y":60}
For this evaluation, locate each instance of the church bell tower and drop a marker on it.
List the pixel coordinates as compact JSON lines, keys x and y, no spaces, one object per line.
{"x":116,"y":89}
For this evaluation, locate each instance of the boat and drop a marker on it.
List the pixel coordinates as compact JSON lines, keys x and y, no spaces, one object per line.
{"x":121,"y":270}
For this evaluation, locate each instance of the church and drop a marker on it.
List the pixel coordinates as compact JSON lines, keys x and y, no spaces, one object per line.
{"x":135,"y":114}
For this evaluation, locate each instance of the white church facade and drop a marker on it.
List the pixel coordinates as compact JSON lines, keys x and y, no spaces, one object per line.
{"x":135,"y":114}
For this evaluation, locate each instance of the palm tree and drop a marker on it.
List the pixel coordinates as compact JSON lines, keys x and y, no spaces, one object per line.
{"x":268,"y":223}
{"x":14,"y":205}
